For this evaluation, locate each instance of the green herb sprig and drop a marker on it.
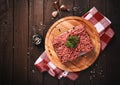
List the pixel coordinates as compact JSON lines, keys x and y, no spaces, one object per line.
{"x":72,"y":41}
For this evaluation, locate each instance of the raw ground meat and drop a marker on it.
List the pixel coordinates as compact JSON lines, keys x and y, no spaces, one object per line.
{"x":69,"y":54}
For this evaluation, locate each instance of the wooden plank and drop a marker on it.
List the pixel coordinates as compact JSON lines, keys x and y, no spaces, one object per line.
{"x":66,"y":81}
{"x":20,"y":41}
{"x":48,"y":79}
{"x":99,"y":4}
{"x":48,"y":21}
{"x":113,"y":49}
{"x":35,"y":20}
{"x":3,"y":7}
{"x":6,"y":38}
{"x":112,"y":11}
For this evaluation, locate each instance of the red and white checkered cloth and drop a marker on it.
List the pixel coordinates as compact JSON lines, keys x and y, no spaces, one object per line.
{"x":101,"y":23}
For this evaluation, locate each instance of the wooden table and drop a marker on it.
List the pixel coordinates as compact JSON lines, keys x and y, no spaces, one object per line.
{"x":18,"y":53}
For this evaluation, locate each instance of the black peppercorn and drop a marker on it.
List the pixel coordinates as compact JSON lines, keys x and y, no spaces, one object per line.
{"x":37,"y":39}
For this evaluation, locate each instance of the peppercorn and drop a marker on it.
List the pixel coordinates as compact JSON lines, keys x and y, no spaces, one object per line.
{"x":37,"y":39}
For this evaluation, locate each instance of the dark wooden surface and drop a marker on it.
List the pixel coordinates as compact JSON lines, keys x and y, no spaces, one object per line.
{"x":18,"y":53}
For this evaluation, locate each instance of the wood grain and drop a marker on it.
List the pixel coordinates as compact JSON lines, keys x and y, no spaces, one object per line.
{"x":63,"y":25}
{"x":112,"y":52}
{"x":20,"y":42}
{"x":6,"y":42}
{"x":35,"y":21}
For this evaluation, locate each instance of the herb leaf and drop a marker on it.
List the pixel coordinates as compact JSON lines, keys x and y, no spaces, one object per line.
{"x":72,"y":41}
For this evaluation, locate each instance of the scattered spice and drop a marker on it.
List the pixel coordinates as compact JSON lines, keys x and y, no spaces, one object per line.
{"x":79,"y":10}
{"x":33,"y":71}
{"x":96,"y":72}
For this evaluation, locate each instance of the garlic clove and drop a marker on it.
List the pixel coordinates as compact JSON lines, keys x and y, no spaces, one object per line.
{"x":63,"y":8}
{"x":54,"y":13}
{"x":56,"y":5}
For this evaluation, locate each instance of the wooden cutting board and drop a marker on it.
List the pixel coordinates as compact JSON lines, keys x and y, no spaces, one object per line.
{"x":81,"y":62}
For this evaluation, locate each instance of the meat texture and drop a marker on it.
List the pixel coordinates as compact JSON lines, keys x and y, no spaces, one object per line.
{"x":69,"y":54}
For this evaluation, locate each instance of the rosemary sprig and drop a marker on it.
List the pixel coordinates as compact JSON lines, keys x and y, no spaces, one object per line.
{"x":84,"y":10}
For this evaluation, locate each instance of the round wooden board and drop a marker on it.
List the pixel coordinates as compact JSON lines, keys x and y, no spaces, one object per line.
{"x":63,"y":25}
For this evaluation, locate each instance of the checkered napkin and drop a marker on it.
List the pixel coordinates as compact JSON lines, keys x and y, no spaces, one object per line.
{"x":101,"y":23}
